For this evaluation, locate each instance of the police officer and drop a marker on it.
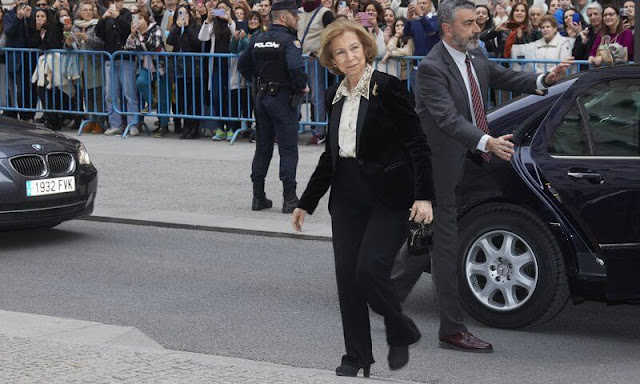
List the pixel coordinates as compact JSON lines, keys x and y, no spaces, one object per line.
{"x":274,"y":61}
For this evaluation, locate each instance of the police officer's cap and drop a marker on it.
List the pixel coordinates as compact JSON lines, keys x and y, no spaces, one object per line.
{"x":288,"y":5}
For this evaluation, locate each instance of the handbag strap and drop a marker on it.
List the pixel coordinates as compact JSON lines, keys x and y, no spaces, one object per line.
{"x":306,"y":30}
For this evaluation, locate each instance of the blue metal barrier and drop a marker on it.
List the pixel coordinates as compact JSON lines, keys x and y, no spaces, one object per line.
{"x":53,"y":82}
{"x":173,"y":85}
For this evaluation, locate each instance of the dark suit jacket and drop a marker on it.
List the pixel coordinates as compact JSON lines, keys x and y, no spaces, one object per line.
{"x":391,"y":149}
{"x":442,"y":103}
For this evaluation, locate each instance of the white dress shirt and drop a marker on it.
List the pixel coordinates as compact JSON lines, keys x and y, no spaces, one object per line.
{"x":459,"y":59}
{"x":350,"y":109}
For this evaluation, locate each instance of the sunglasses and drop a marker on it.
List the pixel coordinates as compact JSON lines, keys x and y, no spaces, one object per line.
{"x":42,"y":5}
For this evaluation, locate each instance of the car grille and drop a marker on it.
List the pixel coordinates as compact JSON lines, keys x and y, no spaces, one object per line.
{"x":29,"y":166}
{"x":35,"y":165}
{"x":60,"y":163}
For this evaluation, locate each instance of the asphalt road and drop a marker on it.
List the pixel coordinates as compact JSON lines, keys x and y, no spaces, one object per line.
{"x":274,"y":299}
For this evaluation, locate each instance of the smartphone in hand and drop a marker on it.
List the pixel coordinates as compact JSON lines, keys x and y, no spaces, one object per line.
{"x":624,"y":16}
{"x":576,"y":17}
{"x":365,"y":19}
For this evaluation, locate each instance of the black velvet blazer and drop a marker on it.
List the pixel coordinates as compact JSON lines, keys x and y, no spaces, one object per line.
{"x":391,"y":148}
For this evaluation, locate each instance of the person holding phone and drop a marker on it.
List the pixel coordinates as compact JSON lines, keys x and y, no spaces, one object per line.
{"x":146,"y":36}
{"x":573,"y":23}
{"x":114,"y":28}
{"x":372,"y":19}
{"x":628,"y":15}
{"x":216,"y":32}
{"x":585,"y":39}
{"x":423,"y":27}
{"x":184,"y":38}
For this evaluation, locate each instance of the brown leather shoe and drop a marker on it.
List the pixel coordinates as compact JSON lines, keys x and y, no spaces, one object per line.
{"x":465,"y":342}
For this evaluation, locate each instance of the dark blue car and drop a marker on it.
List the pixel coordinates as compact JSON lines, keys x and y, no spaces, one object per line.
{"x":562,"y":219}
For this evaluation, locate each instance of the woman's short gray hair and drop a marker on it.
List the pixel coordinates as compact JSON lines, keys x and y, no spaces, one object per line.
{"x":448,"y":8}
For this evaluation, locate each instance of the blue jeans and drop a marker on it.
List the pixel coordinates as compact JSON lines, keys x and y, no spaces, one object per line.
{"x":121,"y":94}
{"x":144,"y":86}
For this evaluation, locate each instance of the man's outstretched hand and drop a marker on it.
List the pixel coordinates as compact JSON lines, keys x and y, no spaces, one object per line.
{"x":558,"y":72}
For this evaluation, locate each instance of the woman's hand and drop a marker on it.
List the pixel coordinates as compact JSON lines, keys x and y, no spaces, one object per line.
{"x":595,"y":60}
{"x":421,"y":212}
{"x":519,"y":33}
{"x":297,"y":218}
{"x":584,"y":35}
{"x":574,"y":29}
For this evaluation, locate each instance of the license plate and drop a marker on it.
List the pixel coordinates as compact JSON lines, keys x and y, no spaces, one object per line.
{"x":51,"y":186}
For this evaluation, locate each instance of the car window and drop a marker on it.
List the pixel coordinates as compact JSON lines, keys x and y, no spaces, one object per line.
{"x":570,"y":138}
{"x":607,"y":116}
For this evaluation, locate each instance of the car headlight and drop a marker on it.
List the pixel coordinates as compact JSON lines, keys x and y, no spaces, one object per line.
{"x":83,"y":155}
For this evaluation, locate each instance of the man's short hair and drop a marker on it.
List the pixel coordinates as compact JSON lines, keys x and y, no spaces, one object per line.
{"x":448,"y":8}
{"x":595,"y":5}
{"x":537,"y":6}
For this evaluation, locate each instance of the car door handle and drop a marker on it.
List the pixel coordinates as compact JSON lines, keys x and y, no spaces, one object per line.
{"x":590,"y":176}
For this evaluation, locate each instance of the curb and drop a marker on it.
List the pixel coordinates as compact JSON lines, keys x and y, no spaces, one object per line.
{"x":199,"y":227}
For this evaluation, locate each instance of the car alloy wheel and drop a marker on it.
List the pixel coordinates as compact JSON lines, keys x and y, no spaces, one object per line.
{"x":501,"y":270}
{"x":512,"y":271}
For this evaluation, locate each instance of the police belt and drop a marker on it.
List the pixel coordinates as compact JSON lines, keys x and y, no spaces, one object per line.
{"x":272,"y":87}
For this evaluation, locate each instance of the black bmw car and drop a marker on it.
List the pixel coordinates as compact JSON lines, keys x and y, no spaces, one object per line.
{"x":562,"y":219}
{"x":45,"y":177}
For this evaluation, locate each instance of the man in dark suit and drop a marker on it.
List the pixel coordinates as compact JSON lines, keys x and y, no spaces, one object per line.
{"x":451,"y":93}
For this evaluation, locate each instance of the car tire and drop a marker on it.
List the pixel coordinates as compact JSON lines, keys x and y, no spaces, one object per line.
{"x":512,"y":271}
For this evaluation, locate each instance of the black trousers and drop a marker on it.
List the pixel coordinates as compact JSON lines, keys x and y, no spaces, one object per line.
{"x":188,"y":100}
{"x":275,"y":119}
{"x":366,"y":238}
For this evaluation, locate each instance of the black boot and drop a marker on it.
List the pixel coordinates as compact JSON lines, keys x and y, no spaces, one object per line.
{"x":185,"y":133}
{"x":260,"y":200}
{"x":290,"y":200}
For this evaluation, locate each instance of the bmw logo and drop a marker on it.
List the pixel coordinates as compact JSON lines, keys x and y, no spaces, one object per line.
{"x":37,"y":147}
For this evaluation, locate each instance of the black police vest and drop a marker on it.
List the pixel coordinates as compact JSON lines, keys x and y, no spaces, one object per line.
{"x":270,"y":59}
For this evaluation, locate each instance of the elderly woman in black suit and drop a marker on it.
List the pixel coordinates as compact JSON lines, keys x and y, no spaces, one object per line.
{"x":378,"y":166}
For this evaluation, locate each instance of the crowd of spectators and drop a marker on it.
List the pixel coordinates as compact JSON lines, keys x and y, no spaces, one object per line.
{"x":510,"y":29}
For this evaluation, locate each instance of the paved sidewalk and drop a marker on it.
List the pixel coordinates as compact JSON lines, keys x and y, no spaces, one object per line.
{"x":44,"y":349}
{"x":195,"y":184}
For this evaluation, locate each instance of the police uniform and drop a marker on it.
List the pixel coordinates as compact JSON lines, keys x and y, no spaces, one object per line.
{"x":273,"y":60}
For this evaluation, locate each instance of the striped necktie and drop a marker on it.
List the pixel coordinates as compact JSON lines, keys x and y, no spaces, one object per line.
{"x":478,"y":110}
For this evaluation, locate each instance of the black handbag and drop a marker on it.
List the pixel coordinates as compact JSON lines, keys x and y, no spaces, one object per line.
{"x":420,"y":238}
